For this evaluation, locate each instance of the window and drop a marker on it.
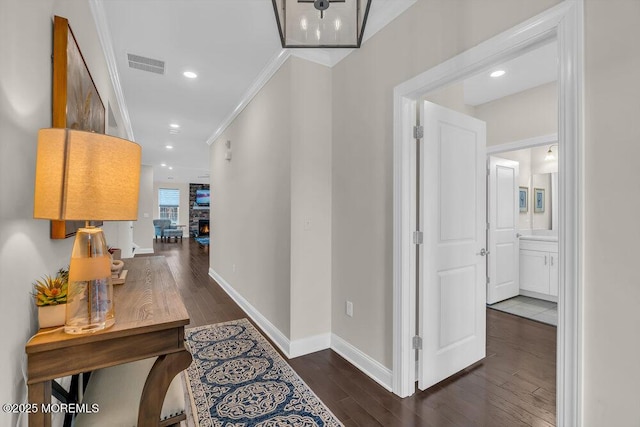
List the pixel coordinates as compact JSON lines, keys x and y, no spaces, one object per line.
{"x":169,"y":203}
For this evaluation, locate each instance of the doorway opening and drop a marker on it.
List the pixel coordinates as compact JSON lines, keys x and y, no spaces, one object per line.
{"x":523,"y":206}
{"x":564,"y":24}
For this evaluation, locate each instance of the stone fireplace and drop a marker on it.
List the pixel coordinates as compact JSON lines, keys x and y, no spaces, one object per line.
{"x":203,"y":227}
{"x":197,"y":212}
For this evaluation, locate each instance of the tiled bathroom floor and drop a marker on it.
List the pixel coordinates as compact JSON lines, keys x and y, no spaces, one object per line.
{"x":531,"y":308}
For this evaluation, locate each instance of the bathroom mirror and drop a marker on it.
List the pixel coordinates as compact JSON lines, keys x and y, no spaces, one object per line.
{"x":543,"y":196}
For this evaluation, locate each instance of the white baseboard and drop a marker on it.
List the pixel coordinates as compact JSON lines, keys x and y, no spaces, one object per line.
{"x":363,"y":362}
{"x":144,"y":251}
{"x":372,"y":368}
{"x":267,"y":327}
{"x":309,"y":345}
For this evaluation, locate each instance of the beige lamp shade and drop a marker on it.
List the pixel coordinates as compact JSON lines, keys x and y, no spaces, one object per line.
{"x":86,"y":176}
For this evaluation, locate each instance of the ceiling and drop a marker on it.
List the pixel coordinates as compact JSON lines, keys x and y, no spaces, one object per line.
{"x":234,"y":47}
{"x":535,"y":68}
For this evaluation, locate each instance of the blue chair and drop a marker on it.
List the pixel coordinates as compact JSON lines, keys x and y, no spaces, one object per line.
{"x":164,"y":229}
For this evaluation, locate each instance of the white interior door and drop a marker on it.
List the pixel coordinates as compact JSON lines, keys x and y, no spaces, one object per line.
{"x":452,"y":263}
{"x":503,"y":228}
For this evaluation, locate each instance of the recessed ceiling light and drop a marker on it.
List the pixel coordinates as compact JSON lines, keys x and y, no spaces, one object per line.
{"x":498,"y":73}
{"x":174,"y":125}
{"x":190,"y":74}
{"x":170,"y":168}
{"x":169,"y":147}
{"x":163,"y":164}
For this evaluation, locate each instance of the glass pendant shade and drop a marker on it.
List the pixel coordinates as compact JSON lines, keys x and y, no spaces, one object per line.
{"x":89,"y":177}
{"x":321,"y":23}
{"x":90,"y":292}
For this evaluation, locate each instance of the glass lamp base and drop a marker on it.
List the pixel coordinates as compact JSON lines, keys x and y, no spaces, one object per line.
{"x":90,"y":305}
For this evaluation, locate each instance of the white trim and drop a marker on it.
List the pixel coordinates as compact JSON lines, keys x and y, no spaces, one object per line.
{"x":370,"y":367}
{"x":564,"y":21}
{"x":404,"y":260}
{"x":267,"y":327}
{"x":144,"y":251}
{"x":265,"y":75}
{"x":571,"y":219}
{"x":523,"y":143}
{"x":326,"y":57}
{"x":104,"y":35}
{"x":309,"y":345}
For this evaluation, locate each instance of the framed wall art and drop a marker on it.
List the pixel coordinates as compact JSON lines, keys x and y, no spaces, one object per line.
{"x":76,"y":101}
{"x":538,"y":200}
{"x":523,"y":199}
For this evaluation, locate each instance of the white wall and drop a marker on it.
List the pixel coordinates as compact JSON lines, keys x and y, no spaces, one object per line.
{"x":612,"y":230}
{"x":26,"y":252}
{"x":523,"y":115}
{"x":143,"y":231}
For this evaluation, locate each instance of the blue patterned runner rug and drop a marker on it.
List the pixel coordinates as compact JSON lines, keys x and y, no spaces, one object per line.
{"x":237,"y":379}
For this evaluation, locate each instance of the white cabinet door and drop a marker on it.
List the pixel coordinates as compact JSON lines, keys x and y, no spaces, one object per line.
{"x":553,"y":274}
{"x":534,"y":271}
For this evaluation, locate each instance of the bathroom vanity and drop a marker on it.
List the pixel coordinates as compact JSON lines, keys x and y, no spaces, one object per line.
{"x":539,"y":267}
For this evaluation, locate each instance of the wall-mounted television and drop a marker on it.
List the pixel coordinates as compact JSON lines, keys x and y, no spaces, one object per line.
{"x":203,"y":197}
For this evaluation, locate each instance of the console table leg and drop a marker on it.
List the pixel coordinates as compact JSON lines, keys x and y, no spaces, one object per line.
{"x":162,"y":373}
{"x":39,"y":394}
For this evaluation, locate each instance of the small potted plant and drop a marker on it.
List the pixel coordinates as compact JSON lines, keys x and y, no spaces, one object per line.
{"x":51,"y":296}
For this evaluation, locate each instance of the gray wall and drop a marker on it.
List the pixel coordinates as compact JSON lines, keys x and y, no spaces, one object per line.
{"x":362,"y":205}
{"x":251,"y":215}
{"x":612,"y":230}
{"x":271,"y":216}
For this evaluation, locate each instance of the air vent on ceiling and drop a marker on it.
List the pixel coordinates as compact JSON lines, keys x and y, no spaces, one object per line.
{"x":146,"y":64}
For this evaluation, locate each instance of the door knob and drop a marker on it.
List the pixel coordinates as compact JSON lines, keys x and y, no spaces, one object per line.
{"x":483,"y":252}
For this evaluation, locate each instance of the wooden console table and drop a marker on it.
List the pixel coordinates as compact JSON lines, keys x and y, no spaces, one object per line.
{"x":150,"y":321}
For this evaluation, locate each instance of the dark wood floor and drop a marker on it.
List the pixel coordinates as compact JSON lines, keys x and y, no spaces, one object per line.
{"x":513,"y":386}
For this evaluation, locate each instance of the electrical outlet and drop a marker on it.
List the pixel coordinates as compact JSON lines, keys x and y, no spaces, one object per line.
{"x":349,"y":308}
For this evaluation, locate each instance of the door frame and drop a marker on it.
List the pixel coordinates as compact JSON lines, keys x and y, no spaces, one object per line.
{"x":564,"y":22}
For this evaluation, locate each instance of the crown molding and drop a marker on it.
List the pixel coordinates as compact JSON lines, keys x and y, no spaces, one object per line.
{"x":107,"y":48}
{"x":265,"y":75}
{"x":383,"y":15}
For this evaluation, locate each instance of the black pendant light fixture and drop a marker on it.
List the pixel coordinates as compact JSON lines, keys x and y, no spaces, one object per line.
{"x":321,"y":23}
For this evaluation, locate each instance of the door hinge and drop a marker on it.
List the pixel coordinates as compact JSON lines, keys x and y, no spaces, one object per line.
{"x":417,"y":343}
{"x":417,"y":237}
{"x":488,"y":226}
{"x":488,"y":280}
{"x":488,"y":172}
{"x":418,"y":132}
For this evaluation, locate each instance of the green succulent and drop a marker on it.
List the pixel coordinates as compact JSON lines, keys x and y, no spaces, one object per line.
{"x":52,"y":290}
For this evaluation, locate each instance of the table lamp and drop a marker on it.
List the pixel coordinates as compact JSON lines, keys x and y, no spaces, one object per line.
{"x":89,"y":177}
